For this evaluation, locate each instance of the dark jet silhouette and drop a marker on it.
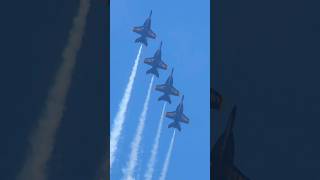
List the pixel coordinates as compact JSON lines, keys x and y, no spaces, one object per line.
{"x":216,"y":99}
{"x":177,"y":116}
{"x":145,"y":31}
{"x":223,"y":154}
{"x":167,"y":89}
{"x":155,"y":62}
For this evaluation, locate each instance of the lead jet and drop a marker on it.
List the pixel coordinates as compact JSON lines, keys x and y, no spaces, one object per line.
{"x":155,"y":62}
{"x":167,"y":89}
{"x":177,"y":116}
{"x":223,"y":154}
{"x":145,"y":31}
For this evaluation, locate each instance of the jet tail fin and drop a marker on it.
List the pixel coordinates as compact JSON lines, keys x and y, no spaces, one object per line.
{"x":165,"y":97}
{"x":174,"y":125}
{"x":142,"y":40}
{"x":153,"y":71}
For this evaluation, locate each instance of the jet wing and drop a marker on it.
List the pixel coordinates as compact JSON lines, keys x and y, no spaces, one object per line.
{"x":161,"y":87}
{"x":171,"y":115}
{"x":138,"y":29}
{"x":163,"y":65}
{"x":151,"y":34}
{"x":184,"y":119}
{"x":174,"y":91}
{"x":148,"y":61}
{"x":236,"y":174}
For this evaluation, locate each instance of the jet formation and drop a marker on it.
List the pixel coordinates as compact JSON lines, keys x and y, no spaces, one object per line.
{"x":223,"y":154}
{"x":145,"y":31}
{"x":155,"y":62}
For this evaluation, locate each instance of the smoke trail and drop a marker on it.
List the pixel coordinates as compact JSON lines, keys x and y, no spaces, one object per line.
{"x":166,"y":162}
{"x":154,"y":151}
{"x":121,"y":114}
{"x":41,"y":142}
{"x":131,"y":164}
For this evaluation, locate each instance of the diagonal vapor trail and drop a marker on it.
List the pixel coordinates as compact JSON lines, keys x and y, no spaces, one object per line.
{"x":121,"y":114}
{"x":132,"y":163}
{"x":42,"y":140}
{"x":166,"y":163}
{"x":149,"y":173}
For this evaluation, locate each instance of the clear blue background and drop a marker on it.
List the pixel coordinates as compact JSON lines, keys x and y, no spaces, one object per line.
{"x":184,"y":28}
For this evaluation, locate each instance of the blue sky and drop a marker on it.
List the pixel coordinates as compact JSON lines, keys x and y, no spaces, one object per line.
{"x":184,"y":29}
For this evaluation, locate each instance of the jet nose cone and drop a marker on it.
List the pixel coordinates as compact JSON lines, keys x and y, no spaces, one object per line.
{"x":182,"y":98}
{"x":150,"y":14}
{"x":160,"y":44}
{"x":172,"y":71}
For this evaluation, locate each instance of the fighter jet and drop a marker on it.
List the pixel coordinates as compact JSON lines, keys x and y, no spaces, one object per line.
{"x":216,"y":99}
{"x":145,"y":31}
{"x":177,"y":116}
{"x":155,"y":62}
{"x":223,"y":154}
{"x":167,"y":89}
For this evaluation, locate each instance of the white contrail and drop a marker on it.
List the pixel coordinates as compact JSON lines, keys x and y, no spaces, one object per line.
{"x":166,"y":162}
{"x":42,"y":140}
{"x":121,"y":114}
{"x":131,"y":164}
{"x":154,"y":151}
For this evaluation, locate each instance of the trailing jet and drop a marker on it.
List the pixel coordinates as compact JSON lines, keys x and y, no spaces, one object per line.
{"x":223,"y":154}
{"x":177,"y":116}
{"x":167,"y":89}
{"x":145,"y":31}
{"x":216,"y":99}
{"x":155,"y":62}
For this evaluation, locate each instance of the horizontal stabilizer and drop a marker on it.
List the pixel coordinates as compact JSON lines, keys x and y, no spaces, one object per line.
{"x":153,"y":71}
{"x":165,"y":97}
{"x":142,"y":40}
{"x":174,"y":125}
